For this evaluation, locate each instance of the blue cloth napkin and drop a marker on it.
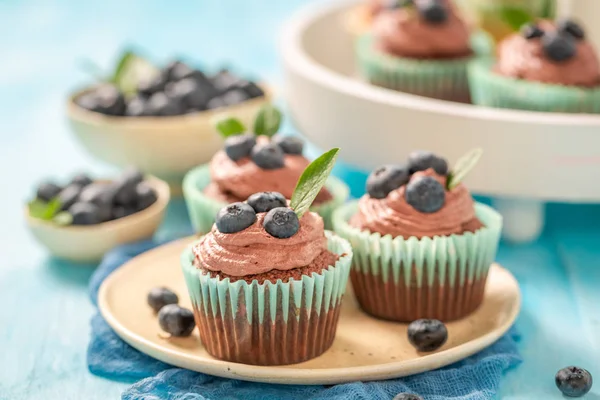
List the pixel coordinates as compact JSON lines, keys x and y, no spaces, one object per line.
{"x":475,"y":378}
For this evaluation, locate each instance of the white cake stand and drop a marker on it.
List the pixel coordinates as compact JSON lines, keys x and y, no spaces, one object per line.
{"x":530,"y":158}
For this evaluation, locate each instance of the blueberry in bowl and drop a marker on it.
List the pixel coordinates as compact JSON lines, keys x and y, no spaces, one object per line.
{"x":82,"y":219}
{"x":159,"y":119}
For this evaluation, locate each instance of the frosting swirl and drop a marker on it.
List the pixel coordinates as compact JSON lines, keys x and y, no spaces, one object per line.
{"x":253,"y":251}
{"x":394,"y":216}
{"x":404,"y":33}
{"x":523,"y":58}
{"x":240,"y":179}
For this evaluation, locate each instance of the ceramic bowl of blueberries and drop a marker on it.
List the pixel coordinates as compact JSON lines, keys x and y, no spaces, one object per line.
{"x":83,"y":219}
{"x":164,"y":126}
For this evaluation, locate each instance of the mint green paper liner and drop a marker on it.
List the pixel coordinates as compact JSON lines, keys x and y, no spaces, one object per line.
{"x":444,"y":79}
{"x":269,"y":323}
{"x":390,"y":272}
{"x":494,"y":90}
{"x":203,"y":209}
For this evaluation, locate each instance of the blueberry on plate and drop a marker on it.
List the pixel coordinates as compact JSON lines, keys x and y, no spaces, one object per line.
{"x":385,"y":179}
{"x":266,"y":201}
{"x":47,"y":191}
{"x":422,"y":160}
{"x":86,"y":214}
{"x":109,"y":100}
{"x":239,"y":146}
{"x":425,"y":194}
{"x":573,"y":381}
{"x":433,"y":11}
{"x":145,"y":196}
{"x":147,"y":87}
{"x":159,"y":297}
{"x":81,"y":180}
{"x":268,"y":156}
{"x":125,"y":186}
{"x":427,"y":334}
{"x":235,"y":218}
{"x":407,"y":396}
{"x":176,"y":320}
{"x":160,"y":104}
{"x":281,"y":222}
{"x":571,"y":27}
{"x":137,"y":107}
{"x":559,"y":47}
{"x":189,"y":92}
{"x":289,"y":144}
{"x":69,"y":196}
{"x":102,"y":195}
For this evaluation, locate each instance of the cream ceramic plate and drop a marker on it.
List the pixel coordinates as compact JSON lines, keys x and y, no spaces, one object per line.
{"x":364,"y":348}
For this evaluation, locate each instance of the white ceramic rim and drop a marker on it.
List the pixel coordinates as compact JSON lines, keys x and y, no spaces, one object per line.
{"x":290,"y":45}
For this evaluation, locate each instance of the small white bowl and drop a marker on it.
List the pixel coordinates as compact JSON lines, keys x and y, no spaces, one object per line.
{"x":89,"y":243}
{"x":166,"y":147}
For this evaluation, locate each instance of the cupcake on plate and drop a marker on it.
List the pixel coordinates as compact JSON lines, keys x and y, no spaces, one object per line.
{"x":418,"y":46}
{"x":250,"y":163}
{"x":547,"y":66}
{"x":422,"y":247}
{"x":267,"y":282}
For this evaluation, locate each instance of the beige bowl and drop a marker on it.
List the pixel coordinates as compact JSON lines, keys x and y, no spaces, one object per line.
{"x":166,"y":147}
{"x":89,"y":243}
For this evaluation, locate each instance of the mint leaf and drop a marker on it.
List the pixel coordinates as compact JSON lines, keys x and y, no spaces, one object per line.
{"x":267,"y":120}
{"x":462,"y":167}
{"x":229,"y":126}
{"x":515,"y":17}
{"x":63,"y":218}
{"x":42,"y":210}
{"x":312,"y":180}
{"x":131,"y":69}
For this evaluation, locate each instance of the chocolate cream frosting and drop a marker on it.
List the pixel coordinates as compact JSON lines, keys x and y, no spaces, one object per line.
{"x":394,"y":216}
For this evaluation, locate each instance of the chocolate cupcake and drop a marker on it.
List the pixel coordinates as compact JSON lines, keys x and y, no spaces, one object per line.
{"x":248,"y":164}
{"x":267,"y":282}
{"x":547,"y":66}
{"x":420,"y":47}
{"x":422,"y":247}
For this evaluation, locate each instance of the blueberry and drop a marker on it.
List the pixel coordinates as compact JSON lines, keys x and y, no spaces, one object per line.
{"x":81,"y":180}
{"x":531,"y":31}
{"x":267,"y":156}
{"x":122,"y":211}
{"x":125,"y":186}
{"x":559,"y":47}
{"x":385,"y":179}
{"x":425,"y":194}
{"x":433,"y":11}
{"x":159,"y":297}
{"x":160,"y":104}
{"x":239,"y":146}
{"x":251,"y":89}
{"x":86,"y":214}
{"x":235,"y":218}
{"x":234,"y":96}
{"x":224,"y":80}
{"x":101,"y":195}
{"x":47,"y":191}
{"x":289,"y":144}
{"x":137,"y":107}
{"x":189,"y":92}
{"x":266,"y":201}
{"x":408,"y":396}
{"x":177,"y":321}
{"x":177,"y":70}
{"x":147,"y":87}
{"x":573,"y":381}
{"x":109,"y":100}
{"x":572,"y":28}
{"x":146,"y":196}
{"x":427,"y":334}
{"x":69,"y":195}
{"x":281,"y":222}
{"x":422,"y":160}
{"x":215,"y":102}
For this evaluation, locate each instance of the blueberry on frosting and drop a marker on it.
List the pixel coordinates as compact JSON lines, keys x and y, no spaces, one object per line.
{"x":433,"y":11}
{"x":571,"y":28}
{"x":422,"y":160}
{"x":281,"y":222}
{"x":239,"y":146}
{"x":267,"y":156}
{"x":559,"y":47}
{"x":235,"y":218}
{"x":425,"y":194}
{"x":289,"y":144}
{"x":531,"y":31}
{"x":266,"y":201}
{"x":385,"y":179}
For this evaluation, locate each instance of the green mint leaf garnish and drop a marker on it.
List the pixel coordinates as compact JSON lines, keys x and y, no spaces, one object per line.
{"x":462,"y":167}
{"x":131,"y":69}
{"x":267,"y":120}
{"x":42,"y":210}
{"x":312,"y":180}
{"x":515,"y":16}
{"x":229,"y":126}
{"x":63,"y":218}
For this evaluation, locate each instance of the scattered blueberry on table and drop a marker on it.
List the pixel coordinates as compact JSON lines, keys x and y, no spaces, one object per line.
{"x":427,"y":334}
{"x":176,"y":320}
{"x":573,"y":381}
{"x":84,"y":202}
{"x":159,"y":297}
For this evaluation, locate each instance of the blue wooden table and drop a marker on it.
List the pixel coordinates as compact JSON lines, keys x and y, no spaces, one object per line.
{"x":45,"y":312}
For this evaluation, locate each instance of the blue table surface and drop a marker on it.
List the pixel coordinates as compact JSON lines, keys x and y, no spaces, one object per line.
{"x":45,"y":313}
